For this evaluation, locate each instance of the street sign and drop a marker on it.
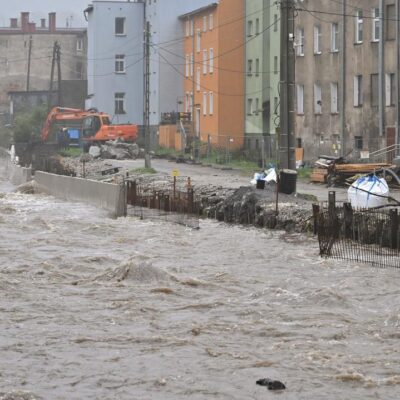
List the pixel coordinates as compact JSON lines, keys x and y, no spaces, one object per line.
{"x":175,"y":173}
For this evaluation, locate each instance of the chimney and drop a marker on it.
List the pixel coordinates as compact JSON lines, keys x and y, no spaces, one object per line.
{"x":13,"y":22}
{"x":32,"y":27}
{"x":24,"y":22}
{"x":43,"y":23}
{"x":52,"y":22}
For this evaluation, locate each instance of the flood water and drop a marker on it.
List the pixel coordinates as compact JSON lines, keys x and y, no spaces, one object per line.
{"x":96,"y":308}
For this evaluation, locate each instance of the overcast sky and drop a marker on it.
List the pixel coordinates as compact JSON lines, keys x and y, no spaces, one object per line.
{"x":40,"y":9}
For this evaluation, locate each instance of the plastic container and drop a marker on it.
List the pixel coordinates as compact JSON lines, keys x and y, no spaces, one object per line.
{"x":362,"y":193}
{"x":287,"y":181}
{"x":260,"y":184}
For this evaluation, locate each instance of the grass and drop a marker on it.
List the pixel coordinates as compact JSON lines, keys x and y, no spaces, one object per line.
{"x":143,"y":170}
{"x":304,"y":173}
{"x":71,"y":152}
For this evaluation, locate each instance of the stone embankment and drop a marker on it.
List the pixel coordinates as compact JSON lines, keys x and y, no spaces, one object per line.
{"x":245,"y":205}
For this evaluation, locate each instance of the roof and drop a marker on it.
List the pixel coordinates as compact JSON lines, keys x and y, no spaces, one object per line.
{"x":198,"y":10}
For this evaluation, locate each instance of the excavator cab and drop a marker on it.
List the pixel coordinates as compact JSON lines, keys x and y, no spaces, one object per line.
{"x":91,"y":125}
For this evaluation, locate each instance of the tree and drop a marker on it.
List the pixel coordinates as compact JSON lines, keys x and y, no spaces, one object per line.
{"x":28,"y":124}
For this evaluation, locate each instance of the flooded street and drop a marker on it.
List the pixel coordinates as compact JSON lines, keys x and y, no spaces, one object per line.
{"x":96,"y":308}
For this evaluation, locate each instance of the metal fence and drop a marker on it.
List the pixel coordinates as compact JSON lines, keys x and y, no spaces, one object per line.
{"x":168,"y":204}
{"x":361,"y":235}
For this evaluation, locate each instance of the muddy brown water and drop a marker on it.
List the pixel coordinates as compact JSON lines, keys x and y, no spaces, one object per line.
{"x":96,"y":308}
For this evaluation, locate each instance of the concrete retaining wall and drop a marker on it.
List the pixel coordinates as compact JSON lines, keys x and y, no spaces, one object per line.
{"x":14,"y":173}
{"x":108,"y":196}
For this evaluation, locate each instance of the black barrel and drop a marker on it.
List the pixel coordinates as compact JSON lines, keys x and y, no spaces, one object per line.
{"x":260,"y":184}
{"x":287,"y":181}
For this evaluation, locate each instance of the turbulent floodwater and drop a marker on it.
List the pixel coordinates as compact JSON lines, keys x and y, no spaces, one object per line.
{"x":95,"y":308}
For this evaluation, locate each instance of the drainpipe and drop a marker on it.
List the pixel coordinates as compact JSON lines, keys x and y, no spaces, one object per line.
{"x":381,"y":67}
{"x":343,"y":83}
{"x":397,"y":73}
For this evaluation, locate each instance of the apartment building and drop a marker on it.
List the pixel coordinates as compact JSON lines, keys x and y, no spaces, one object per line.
{"x":214,"y":49}
{"x":26,"y":49}
{"x":262,"y":71}
{"x":346,"y":77}
{"x":115,"y":59}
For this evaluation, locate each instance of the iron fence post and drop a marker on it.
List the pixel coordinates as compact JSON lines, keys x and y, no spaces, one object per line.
{"x":394,"y":226}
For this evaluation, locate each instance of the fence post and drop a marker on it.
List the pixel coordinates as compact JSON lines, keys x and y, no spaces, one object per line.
{"x":394,"y":226}
{"x":348,"y":220}
{"x":332,"y":201}
{"x":315,"y":208}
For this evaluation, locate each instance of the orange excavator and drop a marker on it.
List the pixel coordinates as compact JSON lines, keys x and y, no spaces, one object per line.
{"x":84,"y":127}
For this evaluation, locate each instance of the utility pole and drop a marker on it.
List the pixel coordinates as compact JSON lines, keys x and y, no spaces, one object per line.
{"x":287,"y":78}
{"x":28,"y":77}
{"x":381,"y":69}
{"x":397,"y":74}
{"x":147,"y":161}
{"x":53,"y":62}
{"x":343,"y":83}
{"x":58,"y":57}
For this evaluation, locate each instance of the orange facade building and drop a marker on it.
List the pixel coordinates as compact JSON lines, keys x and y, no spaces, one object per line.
{"x":214,"y":49}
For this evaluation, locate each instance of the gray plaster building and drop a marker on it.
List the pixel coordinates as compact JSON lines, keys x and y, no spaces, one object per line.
{"x":346,"y":77}
{"x":24,"y":40}
{"x":115,"y":59}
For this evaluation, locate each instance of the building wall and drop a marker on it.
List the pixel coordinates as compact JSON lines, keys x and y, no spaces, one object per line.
{"x":14,"y":48}
{"x":103,"y":46}
{"x":231,"y":84}
{"x":262,"y":45}
{"x":320,"y":133}
{"x":225,"y":81}
{"x":167,"y":58}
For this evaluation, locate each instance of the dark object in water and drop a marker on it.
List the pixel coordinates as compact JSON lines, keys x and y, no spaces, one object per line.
{"x":271,"y":384}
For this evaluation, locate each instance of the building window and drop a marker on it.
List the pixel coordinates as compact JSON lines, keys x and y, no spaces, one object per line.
{"x":375,"y":25}
{"x":275,"y":22}
{"x":198,"y":79}
{"x":257,"y":66}
{"x":300,"y":99}
{"x":374,"y":90}
{"x":187,"y":28}
{"x":187,"y":65}
{"x":317,"y":39}
{"x":205,"y":23}
{"x":358,"y":91}
{"x":119,"y":103}
{"x":249,"y":67}
{"x":191,"y":27}
{"x":211,"y":22}
{"x":334,"y":98}
{"x":191,"y":64}
{"x":300,"y":42}
{"x":317,"y":99}
{"x":249,"y":106}
{"x":359,"y":26}
{"x":276,"y":105}
{"x":211,"y":98}
{"x":198,"y":41}
{"x":187,"y":102}
{"x":257,"y":106}
{"x":120,"y":26}
{"x":250,"y":28}
{"x":205,"y":54}
{"x":334,"y":37}
{"x":390,"y":89}
{"x":358,"y":142}
{"x":120,"y":64}
{"x":205,"y":103}
{"x":79,"y":70}
{"x":257,"y":26}
{"x":275,"y":65}
{"x":390,"y":22}
{"x":211,"y":60}
{"x":79,"y":44}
